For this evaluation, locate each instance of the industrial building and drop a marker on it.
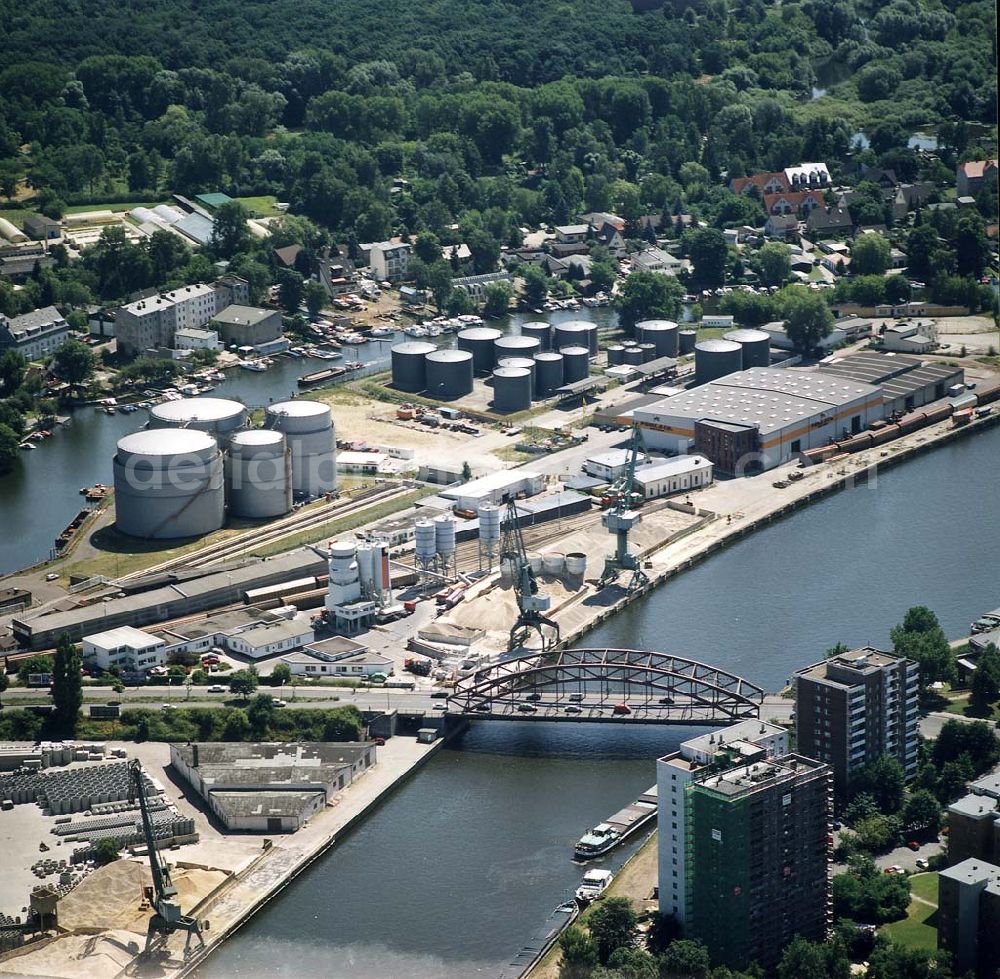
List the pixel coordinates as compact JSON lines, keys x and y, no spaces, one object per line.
{"x":678,"y":475}
{"x":854,"y":708}
{"x":168,"y":483}
{"x":968,"y":917}
{"x":906,"y":382}
{"x":250,"y":633}
{"x":247,"y":326}
{"x":744,"y":857}
{"x":270,"y":787}
{"x":34,"y":335}
{"x":151,"y":323}
{"x":43,"y":629}
{"x":759,"y":418}
{"x":360,"y":583}
{"x":494,"y":487}
{"x":611,"y":464}
{"x":129,"y":649}
{"x":974,"y":822}
{"x":337,"y":656}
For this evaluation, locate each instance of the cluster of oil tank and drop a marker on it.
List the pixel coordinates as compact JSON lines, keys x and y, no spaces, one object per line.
{"x":197,"y":460}
{"x":737,"y":350}
{"x":523,"y":368}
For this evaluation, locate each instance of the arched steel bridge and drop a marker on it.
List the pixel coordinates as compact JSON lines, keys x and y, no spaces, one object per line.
{"x":620,"y":685}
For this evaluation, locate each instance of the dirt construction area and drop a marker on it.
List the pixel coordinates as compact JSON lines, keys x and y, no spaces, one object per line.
{"x":976,"y":333}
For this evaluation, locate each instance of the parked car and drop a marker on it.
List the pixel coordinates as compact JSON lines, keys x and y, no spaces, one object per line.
{"x":168,"y":707}
{"x":527,"y":708}
{"x":279,"y":703}
{"x":440,"y":706}
{"x":52,"y":575}
{"x":922,"y":864}
{"x":913,"y":845}
{"x":217,"y":688}
{"x":439,"y":695}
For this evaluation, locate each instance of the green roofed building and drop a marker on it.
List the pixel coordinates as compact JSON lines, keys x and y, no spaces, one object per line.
{"x":213,"y":201}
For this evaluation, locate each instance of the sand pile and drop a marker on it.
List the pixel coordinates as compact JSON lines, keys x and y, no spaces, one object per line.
{"x":110,"y":897}
{"x":74,"y":957}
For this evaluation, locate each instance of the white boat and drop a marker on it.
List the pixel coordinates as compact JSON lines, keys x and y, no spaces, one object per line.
{"x":382,"y":331}
{"x":469,"y":319}
{"x":594,"y":884}
{"x":28,"y":446}
{"x":597,"y":842}
{"x":294,"y":352}
{"x":253,"y":365}
{"x":415,"y":331}
{"x":434,"y":331}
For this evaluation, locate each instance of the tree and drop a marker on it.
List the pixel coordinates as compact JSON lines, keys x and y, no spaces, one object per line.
{"x":986,"y":679}
{"x":774,"y":263}
{"x":920,"y":637}
{"x":290,"y":289}
{"x":890,"y":961}
{"x":237,"y":726}
{"x":884,"y":780}
{"x":73,"y":362}
{"x":260,"y":713}
{"x":870,"y":255}
{"x":803,"y":959}
{"x":974,"y":741}
{"x":633,"y":963}
{"x":229,"y":230}
{"x":707,"y":249}
{"x":612,"y":925}
{"x":281,"y":674}
{"x":466,"y":472}
{"x":4,"y":684}
{"x":243,"y":683}
{"x":39,"y":663}
{"x":867,"y":895}
{"x":685,"y":959}
{"x":837,"y":649}
{"x":67,"y":685}
{"x":427,"y":247}
{"x":315,"y":296}
{"x":808,"y":319}
{"x":876,"y":834}
{"x":536,"y":285}
{"x":497,"y":300}
{"x":12,"y":367}
{"x":648,"y":296}
{"x":9,"y":443}
{"x":106,"y":851}
{"x":922,"y":812}
{"x":579,"y":954}
{"x":897,"y":289}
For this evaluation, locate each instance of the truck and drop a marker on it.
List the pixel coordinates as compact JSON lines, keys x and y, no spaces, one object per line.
{"x":400,"y":683}
{"x":418,"y":665}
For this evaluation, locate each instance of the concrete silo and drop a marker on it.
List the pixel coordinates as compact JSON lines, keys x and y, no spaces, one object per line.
{"x":308,"y":430}
{"x":542,"y":332}
{"x":169,"y":483}
{"x":576,"y":364}
{"x":662,"y":333}
{"x":511,"y":389}
{"x":716,"y":358}
{"x":259,"y":474}
{"x":449,"y":374}
{"x":548,"y":374}
{"x":409,"y":369}
{"x":755,"y":344}
{"x":478,"y":341}
{"x":217,"y":416}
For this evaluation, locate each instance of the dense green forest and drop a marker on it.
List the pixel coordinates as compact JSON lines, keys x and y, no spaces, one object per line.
{"x":468,"y":121}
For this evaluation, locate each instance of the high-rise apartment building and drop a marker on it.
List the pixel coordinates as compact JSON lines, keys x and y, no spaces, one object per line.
{"x":853,"y":708}
{"x":968,"y":917}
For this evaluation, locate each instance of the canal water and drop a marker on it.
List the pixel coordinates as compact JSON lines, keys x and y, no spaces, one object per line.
{"x":458,"y":869}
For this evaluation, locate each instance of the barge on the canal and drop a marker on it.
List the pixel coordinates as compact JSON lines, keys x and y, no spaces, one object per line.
{"x":617,"y":828}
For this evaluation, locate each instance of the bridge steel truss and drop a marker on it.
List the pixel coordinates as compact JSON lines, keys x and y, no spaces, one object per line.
{"x":658,"y":687}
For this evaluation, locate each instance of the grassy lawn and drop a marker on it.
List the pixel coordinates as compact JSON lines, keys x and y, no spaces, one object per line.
{"x":260,"y":207}
{"x":917,"y":929}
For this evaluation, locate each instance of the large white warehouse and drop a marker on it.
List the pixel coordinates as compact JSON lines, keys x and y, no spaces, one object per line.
{"x":494,"y":487}
{"x":759,"y":418}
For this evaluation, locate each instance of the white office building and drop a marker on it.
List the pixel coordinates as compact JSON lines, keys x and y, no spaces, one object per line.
{"x":129,"y":649}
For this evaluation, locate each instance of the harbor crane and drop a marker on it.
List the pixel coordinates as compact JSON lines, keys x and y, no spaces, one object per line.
{"x":167,"y":917}
{"x":620,"y":518}
{"x":530,"y":605}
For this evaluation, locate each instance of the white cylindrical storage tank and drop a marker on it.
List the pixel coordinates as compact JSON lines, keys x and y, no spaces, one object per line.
{"x":535,"y":561}
{"x":217,"y":416}
{"x":169,"y":483}
{"x":662,"y":333}
{"x":686,"y":340}
{"x":444,"y":535}
{"x":548,"y":374}
{"x":11,"y":232}
{"x":409,"y":369}
{"x":633,"y":356}
{"x":478,"y":341}
{"x":489,"y":522}
{"x":522,"y":346}
{"x":616,"y":355}
{"x":576,"y":333}
{"x":511,"y":389}
{"x":449,"y":374}
{"x":308,"y":428}
{"x":521,"y":363}
{"x":755,"y":344}
{"x":576,"y":564}
{"x":553,"y":564}
{"x":576,"y":364}
{"x":542,"y":332}
{"x":716,"y":358}
{"x":380,"y":567}
{"x":425,"y":536}
{"x":343,"y":562}
{"x":366,"y":569}
{"x":259,"y":476}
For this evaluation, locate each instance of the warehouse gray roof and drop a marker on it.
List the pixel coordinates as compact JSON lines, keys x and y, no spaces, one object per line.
{"x":275,"y":804}
{"x":897,"y":375}
{"x":242,"y":315}
{"x":48,"y":317}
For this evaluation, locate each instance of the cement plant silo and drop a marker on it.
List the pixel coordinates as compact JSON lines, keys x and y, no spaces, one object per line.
{"x":489,"y":523}
{"x":169,"y":483}
{"x":444,"y":537}
{"x":308,"y":429}
{"x":548,"y":374}
{"x":616,"y":355}
{"x":259,"y":474}
{"x":662,"y":333}
{"x":576,"y":333}
{"x":515,"y":347}
{"x":478,"y":341}
{"x":755,"y":344}
{"x":425,"y":538}
{"x":542,"y":332}
{"x":217,"y":416}
{"x":521,"y":363}
{"x":511,"y":389}
{"x":716,"y":358}
{"x":686,"y":340}
{"x":449,"y":374}
{"x":409,"y":370}
{"x":576,"y":364}
{"x":633,"y":355}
